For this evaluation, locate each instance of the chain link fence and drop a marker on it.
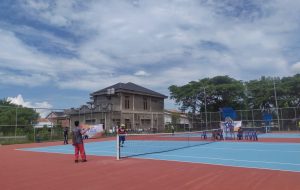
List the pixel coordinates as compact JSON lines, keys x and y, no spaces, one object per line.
{"x":25,"y":125}
{"x":282,"y":119}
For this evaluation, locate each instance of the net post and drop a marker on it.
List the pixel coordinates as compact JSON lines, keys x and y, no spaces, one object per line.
{"x":118,"y":147}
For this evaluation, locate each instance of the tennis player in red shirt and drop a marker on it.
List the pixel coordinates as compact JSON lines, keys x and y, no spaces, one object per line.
{"x":122,"y":132}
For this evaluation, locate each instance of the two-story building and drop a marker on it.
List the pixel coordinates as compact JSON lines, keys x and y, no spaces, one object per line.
{"x":137,"y":107}
{"x":177,"y":118}
{"x":58,"y":118}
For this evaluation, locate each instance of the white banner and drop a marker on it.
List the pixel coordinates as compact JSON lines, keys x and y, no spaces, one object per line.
{"x":93,"y":130}
{"x":236,"y":125}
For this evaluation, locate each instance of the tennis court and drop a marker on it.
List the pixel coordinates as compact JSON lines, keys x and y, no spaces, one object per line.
{"x":259,"y":155}
{"x":280,"y":135}
{"x":202,"y":164}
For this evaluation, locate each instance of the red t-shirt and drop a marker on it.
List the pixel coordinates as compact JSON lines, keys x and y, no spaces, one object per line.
{"x":121,"y":131}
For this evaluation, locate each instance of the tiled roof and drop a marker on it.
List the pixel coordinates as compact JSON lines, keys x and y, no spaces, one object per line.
{"x":56,"y":114}
{"x":174,"y":111}
{"x":43,"y":120}
{"x":59,"y":114}
{"x":129,"y":87}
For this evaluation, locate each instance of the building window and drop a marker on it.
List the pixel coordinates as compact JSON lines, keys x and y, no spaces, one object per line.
{"x":128,"y":123}
{"x":161,"y":104}
{"x":154,"y":100}
{"x":145,"y":103}
{"x":146,"y":121}
{"x":90,"y":121}
{"x":126,"y":102}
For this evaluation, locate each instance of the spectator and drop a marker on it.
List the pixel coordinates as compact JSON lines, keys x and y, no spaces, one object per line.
{"x":66,"y":130}
{"x":172,"y":129}
{"x":240,"y":133}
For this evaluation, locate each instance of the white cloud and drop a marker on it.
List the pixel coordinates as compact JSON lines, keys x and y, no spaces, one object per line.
{"x":38,"y":5}
{"x":174,"y":41}
{"x":296,"y":67}
{"x":44,"y":108}
{"x":49,"y":13}
{"x":141,"y":73}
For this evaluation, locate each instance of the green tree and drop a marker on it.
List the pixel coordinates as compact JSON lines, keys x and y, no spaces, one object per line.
{"x":175,"y":119}
{"x":290,"y":88}
{"x":216,"y":92}
{"x":261,"y":93}
{"x":225,"y":91}
{"x":12,"y":115}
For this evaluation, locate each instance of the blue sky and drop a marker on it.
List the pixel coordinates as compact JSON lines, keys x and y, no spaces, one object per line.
{"x":53,"y":53}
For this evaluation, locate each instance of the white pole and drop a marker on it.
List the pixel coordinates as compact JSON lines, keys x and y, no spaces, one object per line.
{"x":118,"y":147}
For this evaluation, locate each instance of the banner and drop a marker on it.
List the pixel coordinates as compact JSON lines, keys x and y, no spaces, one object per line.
{"x":235,"y":124}
{"x":228,"y":112}
{"x":94,"y":131}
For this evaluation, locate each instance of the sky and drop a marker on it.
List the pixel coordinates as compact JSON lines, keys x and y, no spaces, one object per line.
{"x":54,"y":53}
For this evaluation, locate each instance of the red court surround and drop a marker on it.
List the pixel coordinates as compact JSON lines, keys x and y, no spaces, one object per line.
{"x":35,"y":171}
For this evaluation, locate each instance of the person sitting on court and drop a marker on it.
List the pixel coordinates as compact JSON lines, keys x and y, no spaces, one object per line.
{"x":254,"y":135}
{"x":247,"y":135}
{"x":204,"y":135}
{"x":250,"y":135}
{"x":214,"y":134}
{"x":122,"y":132}
{"x":240,"y":134}
{"x":221,"y":134}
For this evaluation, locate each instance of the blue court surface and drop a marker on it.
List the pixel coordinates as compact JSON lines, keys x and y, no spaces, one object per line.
{"x":272,"y":156}
{"x":279,"y":135}
{"x":261,"y":135}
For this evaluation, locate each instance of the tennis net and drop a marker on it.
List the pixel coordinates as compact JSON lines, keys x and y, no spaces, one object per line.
{"x":131,"y":145}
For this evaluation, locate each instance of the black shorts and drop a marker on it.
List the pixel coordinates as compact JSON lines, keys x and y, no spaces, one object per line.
{"x":122,"y":138}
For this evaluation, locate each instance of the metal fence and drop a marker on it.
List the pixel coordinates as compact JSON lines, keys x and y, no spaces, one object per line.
{"x":283,"y":119}
{"x":22,"y":125}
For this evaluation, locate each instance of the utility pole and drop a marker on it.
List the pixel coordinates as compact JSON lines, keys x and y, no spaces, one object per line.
{"x":205,"y":108}
{"x":276,"y":103}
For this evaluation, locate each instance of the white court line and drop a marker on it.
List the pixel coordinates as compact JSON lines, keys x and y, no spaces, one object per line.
{"x":62,"y":151}
{"x":114,"y":152}
{"x":45,"y":151}
{"x":245,"y":149}
{"x":100,"y":147}
{"x":227,"y":159}
{"x":213,"y":158}
{"x":216,"y":164}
